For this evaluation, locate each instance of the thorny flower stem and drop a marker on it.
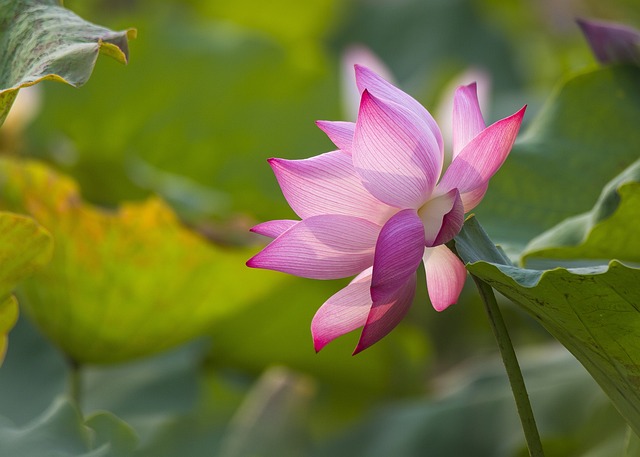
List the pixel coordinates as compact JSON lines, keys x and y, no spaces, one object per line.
{"x":514,"y":374}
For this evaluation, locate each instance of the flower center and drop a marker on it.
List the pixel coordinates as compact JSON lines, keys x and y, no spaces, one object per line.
{"x":433,"y":213}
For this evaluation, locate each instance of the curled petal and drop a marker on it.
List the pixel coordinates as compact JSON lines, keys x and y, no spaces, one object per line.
{"x":368,"y":80}
{"x":345,"y":311}
{"x":273,"y":229}
{"x":321,"y":247}
{"x":467,"y":117}
{"x":483,"y":156}
{"x":396,"y":158}
{"x":445,"y":276}
{"x":398,"y":253}
{"x":386,"y":314}
{"x":339,"y":132}
{"x":327,"y":184}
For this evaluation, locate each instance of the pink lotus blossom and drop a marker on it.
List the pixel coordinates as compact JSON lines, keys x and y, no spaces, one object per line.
{"x":378,"y":206}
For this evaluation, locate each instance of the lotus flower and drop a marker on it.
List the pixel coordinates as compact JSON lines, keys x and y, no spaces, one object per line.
{"x":378,"y":206}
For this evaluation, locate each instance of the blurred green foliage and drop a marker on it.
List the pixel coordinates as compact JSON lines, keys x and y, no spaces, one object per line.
{"x":212,"y":90}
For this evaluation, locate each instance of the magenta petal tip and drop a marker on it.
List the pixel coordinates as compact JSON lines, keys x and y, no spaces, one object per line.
{"x":318,"y":345}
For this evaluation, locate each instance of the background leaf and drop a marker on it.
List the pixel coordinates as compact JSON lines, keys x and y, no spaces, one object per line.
{"x":573,"y":416}
{"x":41,"y":40}
{"x":271,"y":421}
{"x":566,"y":156}
{"x":60,"y":431}
{"x":608,"y":231}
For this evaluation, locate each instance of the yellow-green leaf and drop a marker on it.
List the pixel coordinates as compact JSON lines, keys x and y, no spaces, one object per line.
{"x":40,"y":40}
{"x":123,"y":284}
{"x":24,"y":247}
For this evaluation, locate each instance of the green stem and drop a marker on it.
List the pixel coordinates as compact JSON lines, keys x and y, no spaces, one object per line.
{"x":513,"y":368}
{"x":75,"y":381}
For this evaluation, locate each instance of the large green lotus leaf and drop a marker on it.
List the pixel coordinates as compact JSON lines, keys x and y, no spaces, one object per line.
{"x":61,"y":431}
{"x":24,"y":247}
{"x":122,"y":284}
{"x":585,"y":136}
{"x":608,"y":231}
{"x":40,"y":40}
{"x":592,"y":311}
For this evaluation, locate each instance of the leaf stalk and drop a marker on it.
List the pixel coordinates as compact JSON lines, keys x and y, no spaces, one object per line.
{"x":512,"y":367}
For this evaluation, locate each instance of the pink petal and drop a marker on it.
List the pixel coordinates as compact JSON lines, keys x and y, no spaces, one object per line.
{"x":445,"y":276}
{"x":467,"y":117}
{"x":368,"y":80}
{"x":386,"y":315}
{"x":444,"y":112}
{"x":345,"y":311}
{"x":327,"y":184}
{"x":396,"y":158}
{"x":340,"y":133}
{"x":273,"y":229}
{"x":472,"y":198}
{"x":483,"y":156}
{"x":321,"y":247}
{"x":612,"y":42}
{"x":442,"y":216}
{"x":398,"y":253}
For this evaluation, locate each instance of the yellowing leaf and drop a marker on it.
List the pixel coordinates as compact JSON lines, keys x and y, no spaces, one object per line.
{"x":40,"y":40}
{"x":123,"y":284}
{"x":24,"y":247}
